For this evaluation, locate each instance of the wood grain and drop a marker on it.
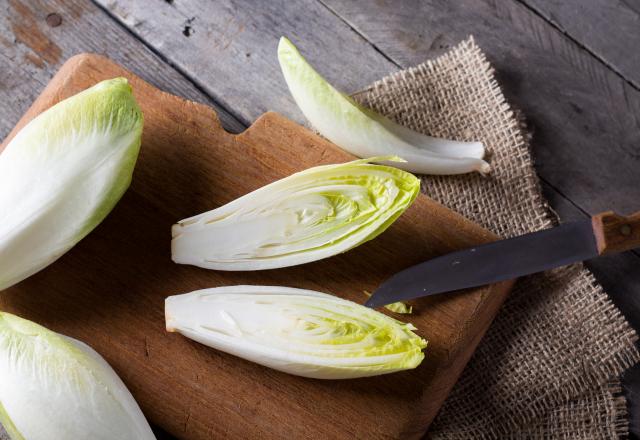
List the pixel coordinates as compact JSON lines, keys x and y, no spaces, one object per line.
{"x":616,"y":233}
{"x":610,"y":29}
{"x":232,"y":45}
{"x":27,"y":67}
{"x":583,"y":115}
{"x":109,"y":290}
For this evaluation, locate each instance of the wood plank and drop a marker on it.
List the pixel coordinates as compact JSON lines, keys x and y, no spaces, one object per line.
{"x":199,"y":393}
{"x":584,"y":116}
{"x":610,"y":29}
{"x":631,"y":383}
{"x":230,"y":50}
{"x":32,"y":50}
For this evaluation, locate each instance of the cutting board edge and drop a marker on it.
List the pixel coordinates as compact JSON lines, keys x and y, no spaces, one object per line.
{"x":470,"y":335}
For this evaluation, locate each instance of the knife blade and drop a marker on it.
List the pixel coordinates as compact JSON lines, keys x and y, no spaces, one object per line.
{"x":511,"y":258}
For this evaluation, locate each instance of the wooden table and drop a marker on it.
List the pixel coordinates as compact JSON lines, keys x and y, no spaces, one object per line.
{"x":571,"y":66}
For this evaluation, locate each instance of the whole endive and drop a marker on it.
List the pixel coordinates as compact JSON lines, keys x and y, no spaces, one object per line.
{"x":63,"y":173}
{"x":56,"y":388}
{"x":365,"y":133}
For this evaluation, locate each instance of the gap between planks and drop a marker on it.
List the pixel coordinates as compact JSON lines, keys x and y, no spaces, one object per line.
{"x":578,"y":43}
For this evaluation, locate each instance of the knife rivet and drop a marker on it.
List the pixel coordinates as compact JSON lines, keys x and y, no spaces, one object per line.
{"x":625,"y":230}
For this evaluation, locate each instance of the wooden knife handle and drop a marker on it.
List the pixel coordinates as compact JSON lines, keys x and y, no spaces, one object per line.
{"x":616,"y":233}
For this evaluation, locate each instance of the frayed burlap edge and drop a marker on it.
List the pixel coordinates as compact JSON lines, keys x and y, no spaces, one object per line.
{"x":556,"y":351}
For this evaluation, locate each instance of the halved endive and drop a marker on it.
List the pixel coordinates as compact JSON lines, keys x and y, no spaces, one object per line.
{"x":305,"y":217}
{"x":297,"y":331}
{"x":54,"y":387}
{"x":63,"y":173}
{"x":365,"y":133}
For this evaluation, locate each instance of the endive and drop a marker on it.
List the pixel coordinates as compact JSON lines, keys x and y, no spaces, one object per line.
{"x":54,"y":387}
{"x":63,"y":173}
{"x":396,"y":307}
{"x":400,"y":307}
{"x":365,"y":133}
{"x":297,"y":331}
{"x":307,"y":216}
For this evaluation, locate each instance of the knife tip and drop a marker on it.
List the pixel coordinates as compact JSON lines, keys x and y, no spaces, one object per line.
{"x":371,"y":302}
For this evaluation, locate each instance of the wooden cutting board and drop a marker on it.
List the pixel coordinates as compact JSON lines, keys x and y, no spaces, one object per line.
{"x":109,"y":290}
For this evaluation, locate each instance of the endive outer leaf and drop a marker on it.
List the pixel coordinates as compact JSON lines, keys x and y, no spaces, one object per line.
{"x":54,"y":387}
{"x":365,"y":133}
{"x":305,"y":217}
{"x":8,"y":426}
{"x":297,"y":331}
{"x":63,"y":173}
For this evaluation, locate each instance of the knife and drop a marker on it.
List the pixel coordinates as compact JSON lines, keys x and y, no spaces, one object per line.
{"x":605,"y":233}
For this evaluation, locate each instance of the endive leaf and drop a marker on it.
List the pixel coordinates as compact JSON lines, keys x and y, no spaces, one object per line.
{"x":54,"y":387}
{"x":305,"y":217}
{"x":366,"y":133}
{"x":396,"y":307}
{"x":400,"y":307}
{"x":63,"y":173}
{"x":297,"y":331}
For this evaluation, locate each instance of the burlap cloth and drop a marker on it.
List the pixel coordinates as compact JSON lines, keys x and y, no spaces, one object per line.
{"x":549,"y":366}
